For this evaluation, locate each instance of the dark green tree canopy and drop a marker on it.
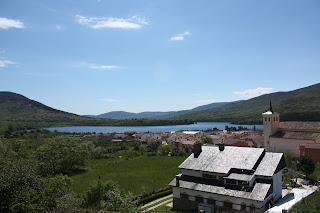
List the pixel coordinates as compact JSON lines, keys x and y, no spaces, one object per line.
{"x":305,"y":164}
{"x":61,"y":154}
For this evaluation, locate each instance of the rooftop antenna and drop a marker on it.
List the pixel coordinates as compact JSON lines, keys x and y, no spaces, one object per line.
{"x":270,"y":105}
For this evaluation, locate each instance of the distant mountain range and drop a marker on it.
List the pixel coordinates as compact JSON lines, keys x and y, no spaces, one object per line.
{"x":297,"y":105}
{"x":122,"y":115}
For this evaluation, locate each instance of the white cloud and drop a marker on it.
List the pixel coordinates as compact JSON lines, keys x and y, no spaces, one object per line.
{"x":109,"y":100}
{"x":59,"y":27}
{"x":207,"y":101}
{"x":94,"y":66}
{"x":5,"y":63}
{"x":111,"y":22}
{"x":181,"y":36}
{"x":103,"y":67}
{"x":10,"y":23}
{"x":251,"y":93}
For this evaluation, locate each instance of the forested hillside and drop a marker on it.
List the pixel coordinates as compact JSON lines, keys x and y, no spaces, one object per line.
{"x":297,"y":105}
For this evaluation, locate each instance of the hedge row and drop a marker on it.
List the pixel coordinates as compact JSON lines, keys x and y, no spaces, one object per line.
{"x":154,"y":197}
{"x":147,"y":194}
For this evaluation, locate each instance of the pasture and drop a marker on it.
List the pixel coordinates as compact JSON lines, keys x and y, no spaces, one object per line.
{"x":135,"y":174}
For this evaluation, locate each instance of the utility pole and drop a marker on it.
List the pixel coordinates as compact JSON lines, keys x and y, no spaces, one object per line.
{"x":154,"y":184}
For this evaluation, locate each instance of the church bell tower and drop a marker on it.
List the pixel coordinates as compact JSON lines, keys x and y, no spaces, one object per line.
{"x":271,"y":121}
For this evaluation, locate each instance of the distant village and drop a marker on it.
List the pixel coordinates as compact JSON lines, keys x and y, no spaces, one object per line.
{"x":185,"y":140}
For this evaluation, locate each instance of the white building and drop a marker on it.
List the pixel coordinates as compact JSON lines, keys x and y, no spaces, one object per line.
{"x":223,"y":178}
{"x":292,"y":135}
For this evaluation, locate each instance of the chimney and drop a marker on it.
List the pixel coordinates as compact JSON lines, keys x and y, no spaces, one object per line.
{"x":178,"y":179}
{"x":221,"y":146}
{"x":197,"y":149}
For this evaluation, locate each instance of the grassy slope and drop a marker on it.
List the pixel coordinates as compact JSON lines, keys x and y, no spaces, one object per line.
{"x":308,"y":204}
{"x":302,"y":104}
{"x":132,"y":174}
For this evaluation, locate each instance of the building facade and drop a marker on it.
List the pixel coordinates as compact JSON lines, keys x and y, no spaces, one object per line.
{"x":295,"y":136}
{"x":218,"y":178}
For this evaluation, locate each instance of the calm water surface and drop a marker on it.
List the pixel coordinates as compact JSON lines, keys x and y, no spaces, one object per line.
{"x":122,"y":129}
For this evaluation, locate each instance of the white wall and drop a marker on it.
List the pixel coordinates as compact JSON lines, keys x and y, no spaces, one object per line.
{"x":269,"y":128}
{"x":277,"y":185}
{"x":176,"y":192}
{"x":281,"y":144}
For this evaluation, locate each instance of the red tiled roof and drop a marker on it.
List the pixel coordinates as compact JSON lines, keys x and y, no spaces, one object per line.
{"x":296,"y":135}
{"x":300,"y":125}
{"x":313,"y":146}
{"x":240,"y":144}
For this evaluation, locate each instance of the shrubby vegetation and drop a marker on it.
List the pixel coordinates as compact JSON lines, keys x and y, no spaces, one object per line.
{"x":207,"y":140}
{"x":107,"y":196}
{"x":35,"y":166}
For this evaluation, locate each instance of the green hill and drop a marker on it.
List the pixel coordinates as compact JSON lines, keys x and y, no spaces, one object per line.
{"x":17,"y":108}
{"x":297,"y":105}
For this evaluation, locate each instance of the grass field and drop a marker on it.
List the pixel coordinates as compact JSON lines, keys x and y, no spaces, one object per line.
{"x":316,"y":174}
{"x":135,"y":174}
{"x":308,"y":204}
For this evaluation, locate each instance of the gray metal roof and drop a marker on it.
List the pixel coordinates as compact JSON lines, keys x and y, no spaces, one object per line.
{"x":269,"y":164}
{"x":243,"y":177}
{"x":213,"y":160}
{"x":258,"y":193}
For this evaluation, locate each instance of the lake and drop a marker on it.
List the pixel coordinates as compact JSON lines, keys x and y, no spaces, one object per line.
{"x":122,"y":129}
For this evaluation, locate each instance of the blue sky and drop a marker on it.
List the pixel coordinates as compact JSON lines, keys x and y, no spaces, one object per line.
{"x":96,"y":56}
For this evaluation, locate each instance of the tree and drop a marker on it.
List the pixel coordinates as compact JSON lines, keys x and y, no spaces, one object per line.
{"x":61,"y":154}
{"x":289,"y":158}
{"x":94,"y":195}
{"x":207,"y":140}
{"x":143,"y":148}
{"x":106,"y":196}
{"x":115,"y":201}
{"x":165,"y":149}
{"x":305,"y":164}
{"x":23,"y":190}
{"x":153,"y":146}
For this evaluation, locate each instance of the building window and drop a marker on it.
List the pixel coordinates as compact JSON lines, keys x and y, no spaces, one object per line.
{"x":274,"y":118}
{"x":211,"y":201}
{"x":269,"y":119}
{"x":228,"y":205}
{"x":199,"y":199}
{"x":209,"y":176}
{"x":185,"y":196}
{"x":230,"y":181}
{"x":243,"y":183}
{"x":265,"y":118}
{"x":277,"y":118}
{"x":243,"y":207}
{"x":220,"y":177}
{"x":252,"y":208}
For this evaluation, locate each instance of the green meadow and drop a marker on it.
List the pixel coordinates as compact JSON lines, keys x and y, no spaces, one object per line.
{"x":135,"y":174}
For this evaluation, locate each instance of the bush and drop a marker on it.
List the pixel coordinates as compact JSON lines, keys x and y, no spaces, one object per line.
{"x":154,"y":197}
{"x":107,"y":196}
